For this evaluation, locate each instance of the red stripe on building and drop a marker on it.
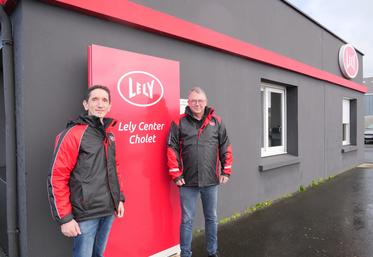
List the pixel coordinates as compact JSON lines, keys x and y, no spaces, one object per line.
{"x":133,"y":14}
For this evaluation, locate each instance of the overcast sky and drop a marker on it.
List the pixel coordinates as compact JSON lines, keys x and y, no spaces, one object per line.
{"x":350,"y":20}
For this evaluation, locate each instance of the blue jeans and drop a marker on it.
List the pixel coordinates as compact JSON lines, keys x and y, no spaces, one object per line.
{"x":92,"y":241}
{"x":188,"y":199}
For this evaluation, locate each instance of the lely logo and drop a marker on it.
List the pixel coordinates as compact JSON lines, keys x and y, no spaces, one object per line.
{"x":348,"y":61}
{"x":140,"y":88}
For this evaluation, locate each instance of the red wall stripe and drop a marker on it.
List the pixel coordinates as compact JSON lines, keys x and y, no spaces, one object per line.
{"x":133,"y":14}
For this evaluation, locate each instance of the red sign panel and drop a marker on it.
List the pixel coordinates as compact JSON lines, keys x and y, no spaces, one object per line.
{"x":145,"y":98}
{"x":348,"y":61}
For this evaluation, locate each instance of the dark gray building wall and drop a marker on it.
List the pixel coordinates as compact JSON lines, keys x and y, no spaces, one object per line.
{"x":272,"y":25}
{"x":335,"y":160}
{"x":3,"y":220}
{"x":2,"y":124}
{"x":368,"y":82}
{"x":3,"y":180}
{"x":51,"y":64}
{"x":3,"y":226}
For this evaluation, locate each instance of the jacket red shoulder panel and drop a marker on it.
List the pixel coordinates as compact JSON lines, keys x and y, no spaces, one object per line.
{"x":65,"y":155}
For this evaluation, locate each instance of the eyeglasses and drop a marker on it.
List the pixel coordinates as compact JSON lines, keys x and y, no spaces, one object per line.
{"x":197,"y":101}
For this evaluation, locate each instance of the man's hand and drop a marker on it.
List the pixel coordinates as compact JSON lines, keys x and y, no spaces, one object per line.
{"x":120,"y":210}
{"x":180,"y":182}
{"x":223,"y":179}
{"x":70,"y":229}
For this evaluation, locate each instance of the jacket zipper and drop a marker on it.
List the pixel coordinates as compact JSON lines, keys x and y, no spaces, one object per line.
{"x":106,"y":145}
{"x":203,"y":126}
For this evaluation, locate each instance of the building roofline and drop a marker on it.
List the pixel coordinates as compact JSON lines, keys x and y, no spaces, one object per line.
{"x":172,"y":26}
{"x":318,"y":24}
{"x":367,"y":80}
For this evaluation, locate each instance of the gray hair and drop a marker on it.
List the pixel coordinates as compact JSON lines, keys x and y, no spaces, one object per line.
{"x":198,"y":90}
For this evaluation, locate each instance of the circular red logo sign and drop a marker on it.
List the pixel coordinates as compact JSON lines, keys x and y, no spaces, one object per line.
{"x":348,"y":61}
{"x":140,"y":88}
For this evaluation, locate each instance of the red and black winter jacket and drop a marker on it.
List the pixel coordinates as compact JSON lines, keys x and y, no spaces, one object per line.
{"x":199,"y":151}
{"x":83,"y":182}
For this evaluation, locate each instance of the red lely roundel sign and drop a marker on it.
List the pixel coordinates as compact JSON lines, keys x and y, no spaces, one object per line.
{"x":348,"y":61}
{"x":140,"y":88}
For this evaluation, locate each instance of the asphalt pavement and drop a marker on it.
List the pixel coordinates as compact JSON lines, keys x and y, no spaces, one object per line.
{"x":334,"y":219}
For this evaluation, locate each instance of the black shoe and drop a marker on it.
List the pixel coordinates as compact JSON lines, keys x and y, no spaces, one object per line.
{"x":214,"y":255}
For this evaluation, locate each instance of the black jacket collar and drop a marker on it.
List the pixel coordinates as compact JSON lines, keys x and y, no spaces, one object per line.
{"x":208,"y":110}
{"x":92,"y":121}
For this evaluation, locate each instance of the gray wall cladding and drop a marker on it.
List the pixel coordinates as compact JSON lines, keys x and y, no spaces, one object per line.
{"x":3,"y":227}
{"x":52,"y":79}
{"x":2,"y":125}
{"x":272,"y":25}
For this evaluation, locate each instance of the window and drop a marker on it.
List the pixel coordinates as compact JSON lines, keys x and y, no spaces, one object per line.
{"x":368,"y":100}
{"x":349,"y":121}
{"x":346,"y":122}
{"x":273,"y":99}
{"x":183,"y":104}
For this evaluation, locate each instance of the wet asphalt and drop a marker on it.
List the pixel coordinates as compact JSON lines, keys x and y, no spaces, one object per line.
{"x":334,"y":219}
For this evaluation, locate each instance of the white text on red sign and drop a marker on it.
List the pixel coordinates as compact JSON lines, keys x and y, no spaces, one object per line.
{"x":145,"y":89}
{"x":140,"y":128}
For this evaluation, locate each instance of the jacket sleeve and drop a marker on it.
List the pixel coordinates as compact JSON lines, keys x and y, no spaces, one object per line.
{"x":120,"y":179}
{"x":63,"y":162}
{"x":225,"y":151}
{"x":173,"y":153}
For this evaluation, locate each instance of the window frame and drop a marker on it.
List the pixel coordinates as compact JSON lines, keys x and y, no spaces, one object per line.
{"x":346,"y":133}
{"x":267,"y":150}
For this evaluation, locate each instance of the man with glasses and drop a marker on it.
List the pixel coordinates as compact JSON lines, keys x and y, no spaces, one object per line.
{"x":199,"y":159}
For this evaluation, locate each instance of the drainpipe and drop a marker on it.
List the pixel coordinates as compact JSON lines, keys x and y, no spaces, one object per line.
{"x":10,"y":134}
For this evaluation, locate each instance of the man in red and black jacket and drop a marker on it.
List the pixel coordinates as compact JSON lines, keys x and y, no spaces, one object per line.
{"x":84,"y":186}
{"x":199,"y":159}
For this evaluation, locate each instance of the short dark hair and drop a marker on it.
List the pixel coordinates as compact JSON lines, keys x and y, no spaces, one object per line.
{"x":90,"y":89}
